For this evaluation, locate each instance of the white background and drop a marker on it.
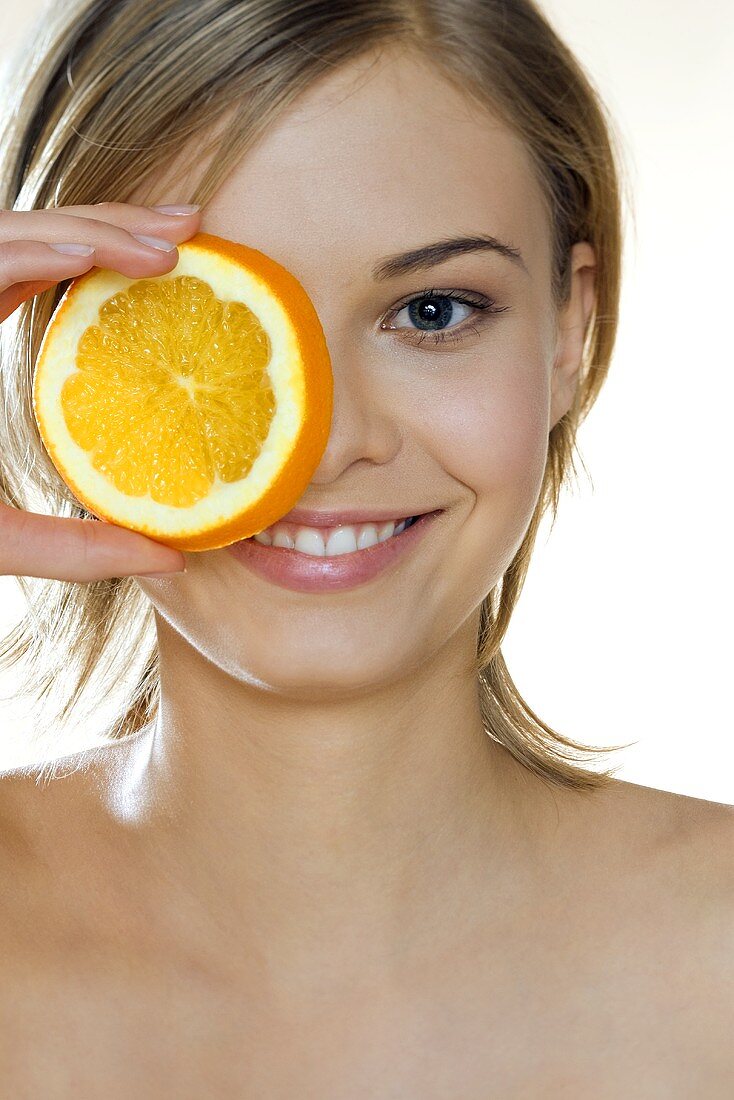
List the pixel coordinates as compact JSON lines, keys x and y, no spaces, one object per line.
{"x":623,"y":628}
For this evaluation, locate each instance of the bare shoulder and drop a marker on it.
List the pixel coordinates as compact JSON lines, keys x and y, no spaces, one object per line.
{"x":647,"y":889}
{"x":685,"y":838}
{"x":39,"y":800}
{"x":696,"y":831}
{"x":666,"y":858}
{"x":47,"y":831}
{"x":686,"y":858}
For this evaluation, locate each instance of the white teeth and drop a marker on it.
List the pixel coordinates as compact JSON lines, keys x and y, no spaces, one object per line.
{"x":282,"y":538}
{"x":342,"y":540}
{"x":367,"y":536}
{"x":309,"y":541}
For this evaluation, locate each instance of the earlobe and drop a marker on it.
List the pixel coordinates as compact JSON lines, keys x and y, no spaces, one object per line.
{"x":572,"y":326}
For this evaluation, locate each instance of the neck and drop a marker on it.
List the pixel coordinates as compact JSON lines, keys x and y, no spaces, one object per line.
{"x":326,"y":834}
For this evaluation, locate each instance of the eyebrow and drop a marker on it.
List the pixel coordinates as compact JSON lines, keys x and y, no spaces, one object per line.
{"x":403,"y":263}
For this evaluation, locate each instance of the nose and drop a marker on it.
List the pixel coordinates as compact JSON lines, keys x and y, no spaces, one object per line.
{"x":365,"y":422}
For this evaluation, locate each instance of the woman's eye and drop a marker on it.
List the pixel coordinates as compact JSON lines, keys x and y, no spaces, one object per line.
{"x":441,"y":315}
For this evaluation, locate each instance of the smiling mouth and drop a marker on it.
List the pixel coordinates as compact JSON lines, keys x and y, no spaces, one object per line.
{"x":335,"y":541}
{"x":308,"y":568}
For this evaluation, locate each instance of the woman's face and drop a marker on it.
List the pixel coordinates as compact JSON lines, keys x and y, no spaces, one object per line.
{"x":379,"y":158}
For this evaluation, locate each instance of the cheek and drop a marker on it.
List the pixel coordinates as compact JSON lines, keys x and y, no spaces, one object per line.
{"x":493,"y":428}
{"x":492,"y":436}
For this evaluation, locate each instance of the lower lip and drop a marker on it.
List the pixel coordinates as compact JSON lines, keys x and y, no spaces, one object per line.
{"x":306,"y":573}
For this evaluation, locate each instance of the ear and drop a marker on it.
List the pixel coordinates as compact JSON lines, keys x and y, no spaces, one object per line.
{"x":572,"y":324}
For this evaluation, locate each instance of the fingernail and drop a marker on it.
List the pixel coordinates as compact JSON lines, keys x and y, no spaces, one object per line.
{"x":170,"y":573}
{"x":176,"y":209}
{"x":156,"y":242}
{"x":74,"y":249}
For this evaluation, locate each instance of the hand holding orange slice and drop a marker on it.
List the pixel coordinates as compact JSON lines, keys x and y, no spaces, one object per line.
{"x":192,"y":407}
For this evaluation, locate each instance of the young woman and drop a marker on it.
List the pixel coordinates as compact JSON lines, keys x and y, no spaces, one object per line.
{"x":328,"y":850}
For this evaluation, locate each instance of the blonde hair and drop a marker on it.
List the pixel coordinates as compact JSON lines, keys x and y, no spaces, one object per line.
{"x":110,"y":96}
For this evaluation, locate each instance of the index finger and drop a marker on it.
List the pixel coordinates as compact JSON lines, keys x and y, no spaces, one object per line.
{"x":127,"y":215}
{"x":75,"y":549}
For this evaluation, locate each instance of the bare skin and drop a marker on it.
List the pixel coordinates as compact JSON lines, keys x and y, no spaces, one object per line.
{"x":603,"y":970}
{"x":317,"y":875}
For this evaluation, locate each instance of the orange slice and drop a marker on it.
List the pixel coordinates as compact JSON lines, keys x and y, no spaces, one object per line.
{"x":194,"y":406}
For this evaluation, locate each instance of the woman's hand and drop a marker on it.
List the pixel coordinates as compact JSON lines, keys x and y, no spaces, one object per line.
{"x":36,"y":545}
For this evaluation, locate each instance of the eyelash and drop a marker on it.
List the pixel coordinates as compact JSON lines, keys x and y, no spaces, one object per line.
{"x":487,"y":307}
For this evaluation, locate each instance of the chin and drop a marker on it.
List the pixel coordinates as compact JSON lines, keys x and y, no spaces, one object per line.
{"x":314,"y":673}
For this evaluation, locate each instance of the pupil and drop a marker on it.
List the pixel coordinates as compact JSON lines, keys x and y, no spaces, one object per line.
{"x":426,"y":310}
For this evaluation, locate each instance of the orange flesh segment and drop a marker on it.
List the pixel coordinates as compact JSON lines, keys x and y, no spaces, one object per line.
{"x":171,"y":390}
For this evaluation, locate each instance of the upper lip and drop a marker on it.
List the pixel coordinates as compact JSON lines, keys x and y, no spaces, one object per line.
{"x":351,"y":515}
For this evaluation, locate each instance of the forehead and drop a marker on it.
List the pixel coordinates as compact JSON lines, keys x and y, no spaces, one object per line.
{"x":381,"y":154}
